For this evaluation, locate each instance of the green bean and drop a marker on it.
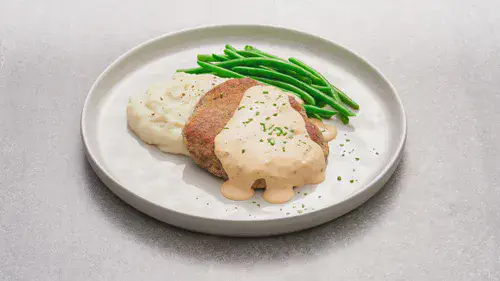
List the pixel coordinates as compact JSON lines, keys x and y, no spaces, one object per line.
{"x":314,"y":115}
{"x":273,"y":63}
{"x":310,"y":70}
{"x":229,"y":47}
{"x":249,"y":54}
{"x":321,"y":111}
{"x":196,"y":70}
{"x":244,"y":54}
{"x":321,"y":104}
{"x":324,"y":89}
{"x":336,"y":97}
{"x":206,"y":58}
{"x":232,"y":54}
{"x":328,"y":89}
{"x":318,"y":95}
{"x":219,"y":71}
{"x":220,"y":57}
{"x":344,"y":119}
{"x":287,"y":87}
{"x":331,"y":91}
{"x":345,"y":98}
{"x":334,"y":92}
{"x":255,"y":50}
{"x":287,"y":72}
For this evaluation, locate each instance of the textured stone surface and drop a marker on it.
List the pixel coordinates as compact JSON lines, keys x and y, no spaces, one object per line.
{"x":437,"y":219}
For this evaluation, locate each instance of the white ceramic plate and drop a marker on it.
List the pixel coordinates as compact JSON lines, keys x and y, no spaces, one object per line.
{"x":173,"y":189}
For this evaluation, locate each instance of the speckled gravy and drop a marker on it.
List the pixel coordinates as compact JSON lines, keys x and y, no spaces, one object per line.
{"x":267,"y":139}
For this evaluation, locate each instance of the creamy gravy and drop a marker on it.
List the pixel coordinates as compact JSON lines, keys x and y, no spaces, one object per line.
{"x":329,"y":131}
{"x":267,"y":139}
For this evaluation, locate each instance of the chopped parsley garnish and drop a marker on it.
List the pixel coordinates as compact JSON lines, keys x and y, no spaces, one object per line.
{"x":303,"y":206}
{"x":280,"y":131}
{"x":265,"y":92}
{"x":267,"y":118}
{"x":261,"y":140}
{"x":357,"y":159}
{"x":251,"y":108}
{"x":263,"y":127}
{"x":274,"y":104}
{"x":292,"y":130}
{"x":221,"y":95}
{"x":241,"y":107}
{"x":248,"y":121}
{"x":339,"y":178}
{"x":226,"y":128}
{"x":341,"y":144}
{"x":271,"y":141}
{"x":283,"y":149}
{"x":347,"y":140}
{"x":351,"y":181}
{"x":243,"y":151}
{"x":275,"y":114}
{"x":257,"y":113}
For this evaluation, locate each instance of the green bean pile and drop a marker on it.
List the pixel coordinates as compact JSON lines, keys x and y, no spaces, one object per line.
{"x":290,"y":75}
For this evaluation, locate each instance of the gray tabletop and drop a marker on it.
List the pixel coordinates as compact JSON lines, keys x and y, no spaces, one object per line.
{"x":438,"y":218}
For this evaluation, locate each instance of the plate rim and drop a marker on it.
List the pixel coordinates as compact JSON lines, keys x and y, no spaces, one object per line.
{"x":101,"y":172}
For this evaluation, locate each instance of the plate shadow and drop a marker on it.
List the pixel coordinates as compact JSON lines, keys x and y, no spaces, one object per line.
{"x":165,"y":238}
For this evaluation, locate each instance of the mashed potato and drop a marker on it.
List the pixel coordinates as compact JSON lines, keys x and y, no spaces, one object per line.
{"x":158,"y":116}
